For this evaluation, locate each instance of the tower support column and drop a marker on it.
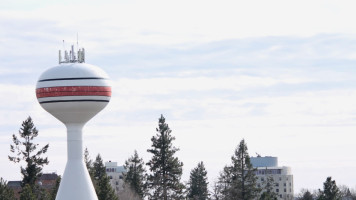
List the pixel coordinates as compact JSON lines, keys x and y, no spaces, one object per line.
{"x":76,"y":183}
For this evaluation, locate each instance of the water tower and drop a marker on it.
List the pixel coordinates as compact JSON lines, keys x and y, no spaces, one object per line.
{"x":74,"y":92}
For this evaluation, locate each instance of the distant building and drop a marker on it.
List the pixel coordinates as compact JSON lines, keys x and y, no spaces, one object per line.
{"x":16,"y":187}
{"x":47,"y":181}
{"x":115,"y":173}
{"x":283,"y":178}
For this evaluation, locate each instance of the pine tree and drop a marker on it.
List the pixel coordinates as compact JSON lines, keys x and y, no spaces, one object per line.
{"x":164,"y":182}
{"x":305,"y":195}
{"x":198,"y":183}
{"x":25,"y":150}
{"x":238,"y":181}
{"x":41,"y":193}
{"x":268,"y":193}
{"x":102,"y":182}
{"x":54,"y":190}
{"x":27,"y":194}
{"x":135,"y":176}
{"x":106,"y":192}
{"x":89,"y":164}
{"x":6,"y":193}
{"x":98,"y":167}
{"x":330,"y":192}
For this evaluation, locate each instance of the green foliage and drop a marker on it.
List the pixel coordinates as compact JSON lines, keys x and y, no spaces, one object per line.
{"x":25,"y":150}
{"x":99,"y":168}
{"x":268,"y":193}
{"x":88,"y":161}
{"x":41,"y":193}
{"x":27,"y":193}
{"x":198,"y":183}
{"x":105,"y":191}
{"x":305,"y":195}
{"x":164,"y":182}
{"x":89,"y":164}
{"x":238,"y":181}
{"x":135,"y":175}
{"x":101,"y":181}
{"x":330,"y":192}
{"x":6,"y":193}
{"x":54,"y":190}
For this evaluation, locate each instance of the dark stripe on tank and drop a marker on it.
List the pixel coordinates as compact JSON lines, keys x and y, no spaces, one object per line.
{"x":77,"y":100}
{"x":66,"y":79}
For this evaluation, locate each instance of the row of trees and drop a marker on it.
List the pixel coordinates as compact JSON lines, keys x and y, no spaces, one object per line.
{"x":163,"y":182}
{"x":237,"y":181}
{"x":330,"y":191}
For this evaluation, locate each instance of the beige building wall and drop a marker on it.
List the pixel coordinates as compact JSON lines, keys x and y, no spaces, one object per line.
{"x":115,"y":173}
{"x":282,"y":177}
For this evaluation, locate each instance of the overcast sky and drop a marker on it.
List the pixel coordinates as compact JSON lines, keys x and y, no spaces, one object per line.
{"x":280,"y":74}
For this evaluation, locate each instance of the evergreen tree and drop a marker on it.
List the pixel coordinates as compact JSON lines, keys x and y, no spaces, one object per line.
{"x":217,"y":191}
{"x":268,"y":193}
{"x":41,"y":193}
{"x":54,"y":190}
{"x":106,"y":192}
{"x":27,"y":194}
{"x":330,"y":192}
{"x":102,"y":182}
{"x":89,"y":164}
{"x":24,"y":149}
{"x":306,"y":195}
{"x":198,"y":183}
{"x":99,"y":169}
{"x":164,"y":182}
{"x":87,"y":160}
{"x":135,"y":175}
{"x":223,"y":186}
{"x":238,"y":181}
{"x":6,"y":193}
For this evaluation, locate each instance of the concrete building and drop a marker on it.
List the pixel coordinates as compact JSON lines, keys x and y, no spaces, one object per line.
{"x":283,"y":178}
{"x":115,"y":173}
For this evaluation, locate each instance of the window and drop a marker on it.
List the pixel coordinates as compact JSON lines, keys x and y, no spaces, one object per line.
{"x":285,"y":190}
{"x":117,"y":182}
{"x":110,"y":177}
{"x":280,"y":178}
{"x":262,"y":179}
{"x":280,"y":196}
{"x":276,"y":184}
{"x":277,"y":190}
{"x":285,"y":184}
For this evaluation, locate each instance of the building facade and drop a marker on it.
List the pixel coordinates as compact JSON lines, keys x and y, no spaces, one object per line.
{"x":115,"y":173}
{"x":282,"y":176}
{"x":46,"y":181}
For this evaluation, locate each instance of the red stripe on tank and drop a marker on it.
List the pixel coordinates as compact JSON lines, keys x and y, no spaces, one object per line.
{"x":73,"y":91}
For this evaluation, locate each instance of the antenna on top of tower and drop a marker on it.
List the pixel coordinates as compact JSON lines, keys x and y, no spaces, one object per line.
{"x":72,"y":57}
{"x":77,"y":41}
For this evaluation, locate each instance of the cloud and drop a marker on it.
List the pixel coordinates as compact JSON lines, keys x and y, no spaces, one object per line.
{"x":290,"y":97}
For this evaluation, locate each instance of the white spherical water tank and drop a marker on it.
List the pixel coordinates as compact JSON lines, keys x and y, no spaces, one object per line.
{"x":74,"y":92}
